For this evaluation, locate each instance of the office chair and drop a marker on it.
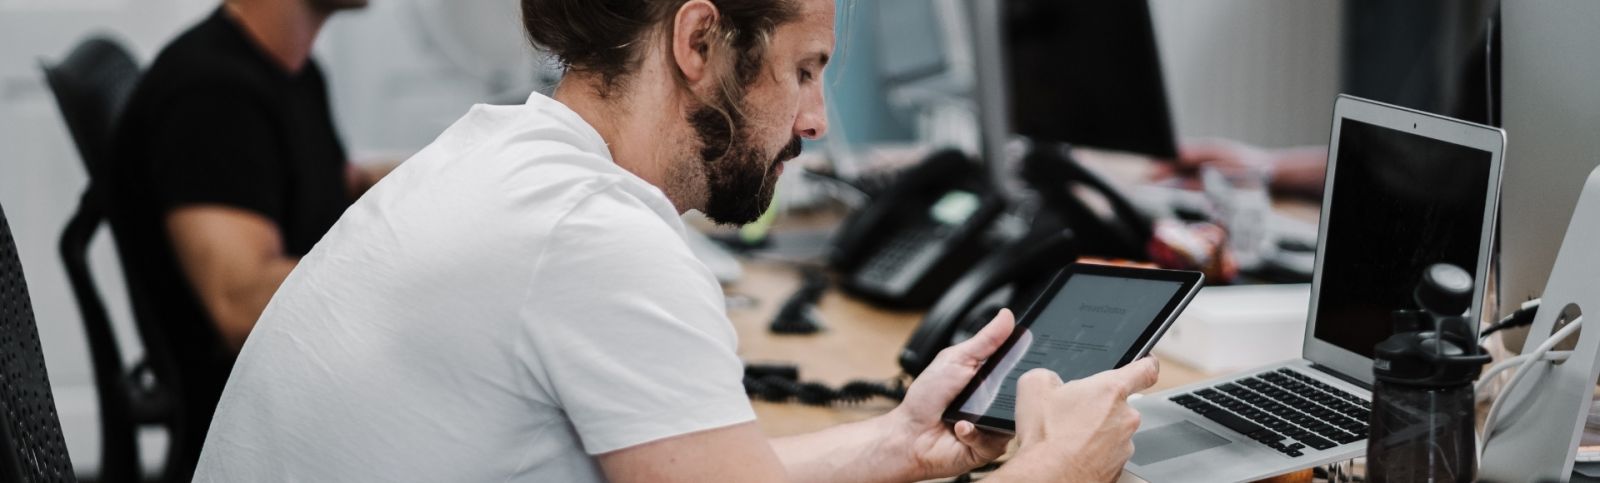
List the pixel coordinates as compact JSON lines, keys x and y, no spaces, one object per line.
{"x":91,"y":85}
{"x":32,"y":449}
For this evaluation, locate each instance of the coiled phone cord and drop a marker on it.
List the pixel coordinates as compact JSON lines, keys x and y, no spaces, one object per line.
{"x":781,"y":383}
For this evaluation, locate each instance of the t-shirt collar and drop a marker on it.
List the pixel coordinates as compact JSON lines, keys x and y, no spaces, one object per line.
{"x":596,"y":143}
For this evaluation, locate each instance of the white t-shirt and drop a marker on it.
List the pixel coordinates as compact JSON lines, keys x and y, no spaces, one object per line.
{"x":506,"y":304}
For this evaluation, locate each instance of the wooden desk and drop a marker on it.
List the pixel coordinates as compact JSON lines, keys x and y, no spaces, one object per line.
{"x":863,"y":342}
{"x":860,"y":342}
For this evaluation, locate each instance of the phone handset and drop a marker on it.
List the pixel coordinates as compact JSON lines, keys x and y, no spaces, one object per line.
{"x":1061,"y":181}
{"x":1012,"y":276}
{"x":909,"y":243}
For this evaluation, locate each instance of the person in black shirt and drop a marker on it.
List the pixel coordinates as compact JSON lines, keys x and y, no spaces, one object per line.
{"x":227,"y":169}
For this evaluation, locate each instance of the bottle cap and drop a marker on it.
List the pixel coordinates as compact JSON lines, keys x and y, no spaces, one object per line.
{"x":1445,"y":289}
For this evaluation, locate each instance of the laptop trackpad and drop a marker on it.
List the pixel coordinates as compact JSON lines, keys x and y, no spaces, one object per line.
{"x":1171,"y":441}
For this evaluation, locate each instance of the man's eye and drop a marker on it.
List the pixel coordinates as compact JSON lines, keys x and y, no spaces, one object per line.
{"x":805,"y":75}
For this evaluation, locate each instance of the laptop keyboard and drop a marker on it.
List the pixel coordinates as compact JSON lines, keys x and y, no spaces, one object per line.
{"x":1285,"y":410}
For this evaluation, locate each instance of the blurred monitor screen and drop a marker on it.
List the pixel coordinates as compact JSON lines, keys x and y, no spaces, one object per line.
{"x":1087,"y":73}
{"x":910,"y":43}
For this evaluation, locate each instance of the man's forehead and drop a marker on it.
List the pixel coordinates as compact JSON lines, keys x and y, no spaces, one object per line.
{"x":813,"y":30}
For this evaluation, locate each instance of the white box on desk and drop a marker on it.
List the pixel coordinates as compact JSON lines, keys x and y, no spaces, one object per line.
{"x":1229,"y":328}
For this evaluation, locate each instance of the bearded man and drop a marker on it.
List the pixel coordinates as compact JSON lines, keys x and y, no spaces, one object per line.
{"x":517,"y":303}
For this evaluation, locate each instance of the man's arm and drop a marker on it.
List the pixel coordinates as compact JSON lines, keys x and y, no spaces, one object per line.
{"x":1080,"y":431}
{"x":360,"y":177}
{"x":864,"y":451}
{"x":912,"y":442}
{"x":908,"y":444}
{"x":1297,"y":171}
{"x":235,"y":261}
{"x":733,"y":453}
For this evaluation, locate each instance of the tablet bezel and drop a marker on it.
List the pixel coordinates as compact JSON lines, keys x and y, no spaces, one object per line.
{"x":1192,"y":282}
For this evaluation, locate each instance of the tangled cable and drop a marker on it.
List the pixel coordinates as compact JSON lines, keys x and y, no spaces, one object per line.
{"x":782,"y":384}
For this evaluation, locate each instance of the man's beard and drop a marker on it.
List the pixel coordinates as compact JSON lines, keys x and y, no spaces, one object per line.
{"x":740,"y":178}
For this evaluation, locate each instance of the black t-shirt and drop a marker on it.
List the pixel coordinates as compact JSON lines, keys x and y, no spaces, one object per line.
{"x":215,"y":121}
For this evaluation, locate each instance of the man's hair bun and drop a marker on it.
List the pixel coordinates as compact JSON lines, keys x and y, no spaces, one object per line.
{"x":595,"y":35}
{"x":605,"y":37}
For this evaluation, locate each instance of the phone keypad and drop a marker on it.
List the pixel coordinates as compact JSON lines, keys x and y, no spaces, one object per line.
{"x":897,"y":252}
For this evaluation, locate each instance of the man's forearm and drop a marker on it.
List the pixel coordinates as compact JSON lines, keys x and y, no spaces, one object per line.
{"x":360,"y":177}
{"x":865,"y":451}
{"x":1039,"y":464}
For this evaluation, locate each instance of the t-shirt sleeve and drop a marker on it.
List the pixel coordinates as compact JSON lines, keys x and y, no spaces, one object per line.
{"x":628,"y":332}
{"x":218,"y":148}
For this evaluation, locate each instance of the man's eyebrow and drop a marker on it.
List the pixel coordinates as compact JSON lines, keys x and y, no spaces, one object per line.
{"x":821,"y":58}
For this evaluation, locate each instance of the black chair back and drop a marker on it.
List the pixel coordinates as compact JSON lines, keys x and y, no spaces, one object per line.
{"x":32,"y":449}
{"x":91,"y":86}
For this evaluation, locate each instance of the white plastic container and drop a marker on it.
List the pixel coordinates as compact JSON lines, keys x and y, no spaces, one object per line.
{"x":1229,"y":328}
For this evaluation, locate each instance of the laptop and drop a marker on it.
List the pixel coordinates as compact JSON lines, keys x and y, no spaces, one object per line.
{"x":1405,"y":189}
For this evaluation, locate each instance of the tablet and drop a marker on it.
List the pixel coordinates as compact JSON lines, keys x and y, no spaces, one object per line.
{"x":1091,"y":318}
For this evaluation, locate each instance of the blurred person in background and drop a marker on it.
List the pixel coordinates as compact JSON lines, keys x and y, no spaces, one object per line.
{"x":226,"y":169}
{"x":1437,"y":56}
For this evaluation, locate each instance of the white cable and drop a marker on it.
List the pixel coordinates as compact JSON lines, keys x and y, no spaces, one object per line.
{"x":1537,"y":355}
{"x":1487,"y":380}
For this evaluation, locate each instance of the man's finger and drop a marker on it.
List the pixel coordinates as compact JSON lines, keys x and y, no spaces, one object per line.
{"x":1033,"y":394}
{"x":983,"y":345}
{"x":1132,"y":378}
{"x":987,"y":445}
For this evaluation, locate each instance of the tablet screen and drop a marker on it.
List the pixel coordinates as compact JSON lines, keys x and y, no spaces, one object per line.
{"x":1088,"y":326}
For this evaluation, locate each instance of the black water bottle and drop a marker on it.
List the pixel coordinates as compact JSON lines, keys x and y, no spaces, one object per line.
{"x":1422,"y":399}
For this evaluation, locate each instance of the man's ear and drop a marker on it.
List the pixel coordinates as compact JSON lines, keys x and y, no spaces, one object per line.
{"x":692,"y":31}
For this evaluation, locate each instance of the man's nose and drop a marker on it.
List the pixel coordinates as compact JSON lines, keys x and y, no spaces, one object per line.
{"x":813,"y":120}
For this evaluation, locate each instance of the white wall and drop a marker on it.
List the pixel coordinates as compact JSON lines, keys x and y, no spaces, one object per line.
{"x":1260,"y":71}
{"x":401,"y":71}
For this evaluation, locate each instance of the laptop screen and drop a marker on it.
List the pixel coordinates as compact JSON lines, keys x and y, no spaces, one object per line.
{"x":1400,"y":202}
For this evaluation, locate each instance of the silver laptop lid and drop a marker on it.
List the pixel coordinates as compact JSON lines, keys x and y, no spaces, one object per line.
{"x":1405,"y":190}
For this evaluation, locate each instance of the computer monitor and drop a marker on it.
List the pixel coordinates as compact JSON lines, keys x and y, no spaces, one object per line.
{"x":911,"y":45}
{"x":1086,"y":73}
{"x":1551,"y":109}
{"x":1078,"y":72}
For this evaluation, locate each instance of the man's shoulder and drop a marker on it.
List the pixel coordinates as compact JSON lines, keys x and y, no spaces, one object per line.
{"x":201,"y":62}
{"x":612,"y":225}
{"x":546,"y":164}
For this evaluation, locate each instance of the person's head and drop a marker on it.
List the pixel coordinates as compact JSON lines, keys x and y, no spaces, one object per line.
{"x":740,"y":79}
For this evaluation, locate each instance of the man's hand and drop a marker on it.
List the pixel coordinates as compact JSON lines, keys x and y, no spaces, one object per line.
{"x":937,"y":449}
{"x":1077,"y":431}
{"x":1222,"y":153}
{"x":1296,"y":171}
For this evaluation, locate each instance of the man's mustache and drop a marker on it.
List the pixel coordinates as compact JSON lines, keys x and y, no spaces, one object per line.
{"x":791,"y":151}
